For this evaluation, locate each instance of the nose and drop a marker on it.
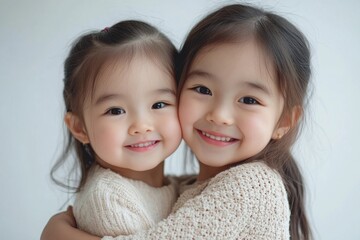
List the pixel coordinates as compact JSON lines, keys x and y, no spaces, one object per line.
{"x":140,"y":126}
{"x":220,"y":115}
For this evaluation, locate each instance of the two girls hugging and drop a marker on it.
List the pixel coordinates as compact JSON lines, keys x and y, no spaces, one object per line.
{"x":236,"y":93}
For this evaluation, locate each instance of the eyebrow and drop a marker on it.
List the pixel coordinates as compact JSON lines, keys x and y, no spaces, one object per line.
{"x":114,"y":96}
{"x":164,"y":91}
{"x":253,"y":85}
{"x":199,"y":73}
{"x":258,"y":86}
{"x":108,"y":97}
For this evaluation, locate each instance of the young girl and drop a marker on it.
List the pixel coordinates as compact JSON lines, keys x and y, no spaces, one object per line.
{"x":244,"y":75}
{"x":120,"y":97}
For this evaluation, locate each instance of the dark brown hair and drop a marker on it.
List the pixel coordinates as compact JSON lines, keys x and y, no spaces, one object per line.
{"x":289,"y":52}
{"x":91,"y":54}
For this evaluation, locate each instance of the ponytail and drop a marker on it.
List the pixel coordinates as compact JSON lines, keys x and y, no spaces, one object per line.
{"x":294,"y":184}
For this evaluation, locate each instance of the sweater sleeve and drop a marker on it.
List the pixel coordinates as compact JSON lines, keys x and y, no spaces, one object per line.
{"x":245,"y":202}
{"x":109,"y":207}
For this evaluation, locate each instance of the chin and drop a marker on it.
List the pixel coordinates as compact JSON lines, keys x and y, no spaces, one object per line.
{"x":143,"y":168}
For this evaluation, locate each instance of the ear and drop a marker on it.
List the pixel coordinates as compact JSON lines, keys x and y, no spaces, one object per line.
{"x":287,"y":122}
{"x":76,"y":127}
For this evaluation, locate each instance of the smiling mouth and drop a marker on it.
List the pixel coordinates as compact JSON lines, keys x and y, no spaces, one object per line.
{"x":143,"y":144}
{"x":217,"y":138}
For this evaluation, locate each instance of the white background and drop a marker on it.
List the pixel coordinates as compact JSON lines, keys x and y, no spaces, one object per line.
{"x":35,"y":37}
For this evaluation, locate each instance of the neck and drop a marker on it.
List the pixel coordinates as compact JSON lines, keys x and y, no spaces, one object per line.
{"x":153,"y":177}
{"x":207,"y":172}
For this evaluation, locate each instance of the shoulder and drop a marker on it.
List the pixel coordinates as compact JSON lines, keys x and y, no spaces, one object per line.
{"x":253,"y":173}
{"x":102,"y":178}
{"x":248,"y":201}
{"x":255,"y":181}
{"x":106,"y":192}
{"x":103,"y":185}
{"x":259,"y":193}
{"x":109,"y":204}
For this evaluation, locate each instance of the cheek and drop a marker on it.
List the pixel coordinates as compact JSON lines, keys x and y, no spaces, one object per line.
{"x":188,"y":112}
{"x":257,"y":127}
{"x":170,"y":126}
{"x":105,"y":136}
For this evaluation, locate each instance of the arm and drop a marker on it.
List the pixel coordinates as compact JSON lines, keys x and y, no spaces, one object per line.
{"x":197,"y":216}
{"x":211,"y":211}
{"x":234,"y":204}
{"x":246,"y":202}
{"x":63,"y":226}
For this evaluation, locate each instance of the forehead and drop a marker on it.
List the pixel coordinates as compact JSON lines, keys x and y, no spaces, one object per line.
{"x":130,"y":75}
{"x":243,"y":53}
{"x":239,"y":61}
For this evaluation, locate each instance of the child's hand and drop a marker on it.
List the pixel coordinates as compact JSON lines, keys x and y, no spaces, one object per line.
{"x":68,"y":216}
{"x":62,"y":226}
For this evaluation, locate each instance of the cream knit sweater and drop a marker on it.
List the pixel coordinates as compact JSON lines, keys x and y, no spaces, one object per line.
{"x":248,"y":201}
{"x":110,"y":204}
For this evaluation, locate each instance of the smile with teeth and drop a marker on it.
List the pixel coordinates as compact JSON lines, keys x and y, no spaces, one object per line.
{"x":217,"y":138}
{"x":144,"y":144}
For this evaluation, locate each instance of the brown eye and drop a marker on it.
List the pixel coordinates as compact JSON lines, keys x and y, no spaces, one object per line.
{"x":248,"y":100}
{"x":203,"y":90}
{"x":159,"y":105}
{"x":115,"y":111}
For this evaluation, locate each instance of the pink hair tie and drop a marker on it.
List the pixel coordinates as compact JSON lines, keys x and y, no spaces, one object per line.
{"x":105,"y":30}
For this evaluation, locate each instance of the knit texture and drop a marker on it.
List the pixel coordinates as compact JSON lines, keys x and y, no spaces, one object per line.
{"x":248,"y":201}
{"x":111,"y":205}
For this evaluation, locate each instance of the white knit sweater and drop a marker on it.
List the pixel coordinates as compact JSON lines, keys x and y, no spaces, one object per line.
{"x":248,"y":201}
{"x":110,"y":204}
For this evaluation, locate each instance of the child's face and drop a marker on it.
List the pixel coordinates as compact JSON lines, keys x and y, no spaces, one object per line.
{"x":229,"y":105}
{"x":132,"y":120}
